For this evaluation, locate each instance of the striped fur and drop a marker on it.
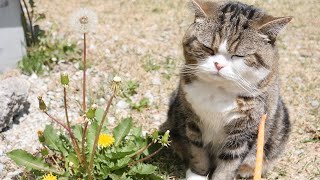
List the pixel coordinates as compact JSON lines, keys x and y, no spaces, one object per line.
{"x":229,"y":81}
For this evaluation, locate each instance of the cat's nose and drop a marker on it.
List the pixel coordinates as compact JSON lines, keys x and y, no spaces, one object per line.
{"x":218,"y":66}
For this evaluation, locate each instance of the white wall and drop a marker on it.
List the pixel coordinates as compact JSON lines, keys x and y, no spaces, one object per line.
{"x":12,"y":40}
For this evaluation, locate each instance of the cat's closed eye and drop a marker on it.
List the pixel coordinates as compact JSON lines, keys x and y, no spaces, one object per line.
{"x":208,"y":49}
{"x":236,"y":56}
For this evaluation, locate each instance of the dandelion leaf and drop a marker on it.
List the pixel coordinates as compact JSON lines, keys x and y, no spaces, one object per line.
{"x":23,"y":158}
{"x":53,"y":140}
{"x":122,"y":130}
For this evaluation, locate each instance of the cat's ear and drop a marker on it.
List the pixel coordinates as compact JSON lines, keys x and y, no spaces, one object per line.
{"x":197,"y":6}
{"x":271,"y":26}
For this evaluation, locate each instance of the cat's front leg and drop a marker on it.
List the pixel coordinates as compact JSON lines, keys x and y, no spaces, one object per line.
{"x":230,"y":157}
{"x":198,"y":159}
{"x":226,"y":169}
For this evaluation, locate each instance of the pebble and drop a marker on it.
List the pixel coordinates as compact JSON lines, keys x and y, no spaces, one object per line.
{"x":102,"y":101}
{"x":315,"y":103}
{"x":1,"y":167}
{"x":122,"y":104}
{"x":33,"y":76}
{"x":149,"y":95}
{"x":156,"y":81}
{"x":111,"y":120}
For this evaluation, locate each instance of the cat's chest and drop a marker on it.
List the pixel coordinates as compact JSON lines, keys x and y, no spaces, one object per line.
{"x":215,"y":108}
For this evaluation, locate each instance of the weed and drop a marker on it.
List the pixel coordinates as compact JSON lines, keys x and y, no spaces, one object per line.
{"x":169,"y":66}
{"x":143,"y":103}
{"x":149,"y":63}
{"x":130,"y":89}
{"x":47,"y":53}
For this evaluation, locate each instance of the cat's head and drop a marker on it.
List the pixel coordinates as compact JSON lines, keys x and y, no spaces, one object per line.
{"x":232,"y":44}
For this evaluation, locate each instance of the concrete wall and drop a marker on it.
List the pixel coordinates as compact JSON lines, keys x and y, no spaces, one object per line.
{"x":12,"y":40}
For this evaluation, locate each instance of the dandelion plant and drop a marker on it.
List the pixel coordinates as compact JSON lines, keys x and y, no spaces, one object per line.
{"x":90,"y":150}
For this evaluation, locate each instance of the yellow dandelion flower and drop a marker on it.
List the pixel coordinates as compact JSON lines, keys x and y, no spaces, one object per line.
{"x":105,"y":140}
{"x":49,"y":177}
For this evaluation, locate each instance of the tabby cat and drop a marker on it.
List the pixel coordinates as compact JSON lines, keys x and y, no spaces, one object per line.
{"x":229,"y":80}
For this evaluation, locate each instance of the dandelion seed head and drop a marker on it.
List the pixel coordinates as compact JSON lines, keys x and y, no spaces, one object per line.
{"x":83,"y":20}
{"x":117,"y":79}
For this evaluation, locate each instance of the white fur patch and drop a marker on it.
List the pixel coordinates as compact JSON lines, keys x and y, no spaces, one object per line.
{"x":192,"y":176}
{"x":214,"y":107}
{"x":223,"y":47}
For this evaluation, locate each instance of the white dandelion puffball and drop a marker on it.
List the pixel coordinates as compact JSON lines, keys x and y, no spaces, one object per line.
{"x":83,"y":20}
{"x":117,"y":79}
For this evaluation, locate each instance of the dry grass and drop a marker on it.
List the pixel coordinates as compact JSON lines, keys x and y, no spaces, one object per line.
{"x":132,"y":30}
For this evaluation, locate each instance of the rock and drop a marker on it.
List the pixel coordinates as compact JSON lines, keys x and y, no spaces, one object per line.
{"x":315,"y":103}
{"x":33,"y":76}
{"x":149,"y":95}
{"x":156,"y":81}
{"x":111,"y":120}
{"x":122,"y":104}
{"x":1,"y":167}
{"x":13,"y":98}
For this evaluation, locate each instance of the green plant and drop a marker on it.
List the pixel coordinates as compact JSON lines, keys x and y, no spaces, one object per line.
{"x":129,"y":89}
{"x":46,"y":53}
{"x":90,"y":150}
{"x":143,"y":103}
{"x":32,"y":30}
{"x":169,"y":66}
{"x":149,"y":64}
{"x":44,"y":49}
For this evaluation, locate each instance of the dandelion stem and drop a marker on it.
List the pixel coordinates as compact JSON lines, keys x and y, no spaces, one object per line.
{"x":74,"y":141}
{"x":147,"y":157}
{"x":83,"y":148}
{"x":84,"y":102}
{"x":68,"y":130}
{"x":57,"y":121}
{"x":99,"y":129}
{"x":141,"y":150}
{"x":65,"y":106}
{"x":84,"y":73}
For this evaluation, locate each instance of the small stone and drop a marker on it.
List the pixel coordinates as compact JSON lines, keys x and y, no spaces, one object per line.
{"x":33,"y":76}
{"x":102,"y":100}
{"x":144,"y":133}
{"x":156,"y":117}
{"x":107,"y":52}
{"x":149,"y":96}
{"x":10,"y":175}
{"x":156,"y":81}
{"x":1,"y":167}
{"x":315,"y":103}
{"x":122,"y":104}
{"x":111,"y":120}
{"x":92,"y":47}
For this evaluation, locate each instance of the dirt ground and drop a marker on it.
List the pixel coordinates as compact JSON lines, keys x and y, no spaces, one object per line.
{"x":133,"y":35}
